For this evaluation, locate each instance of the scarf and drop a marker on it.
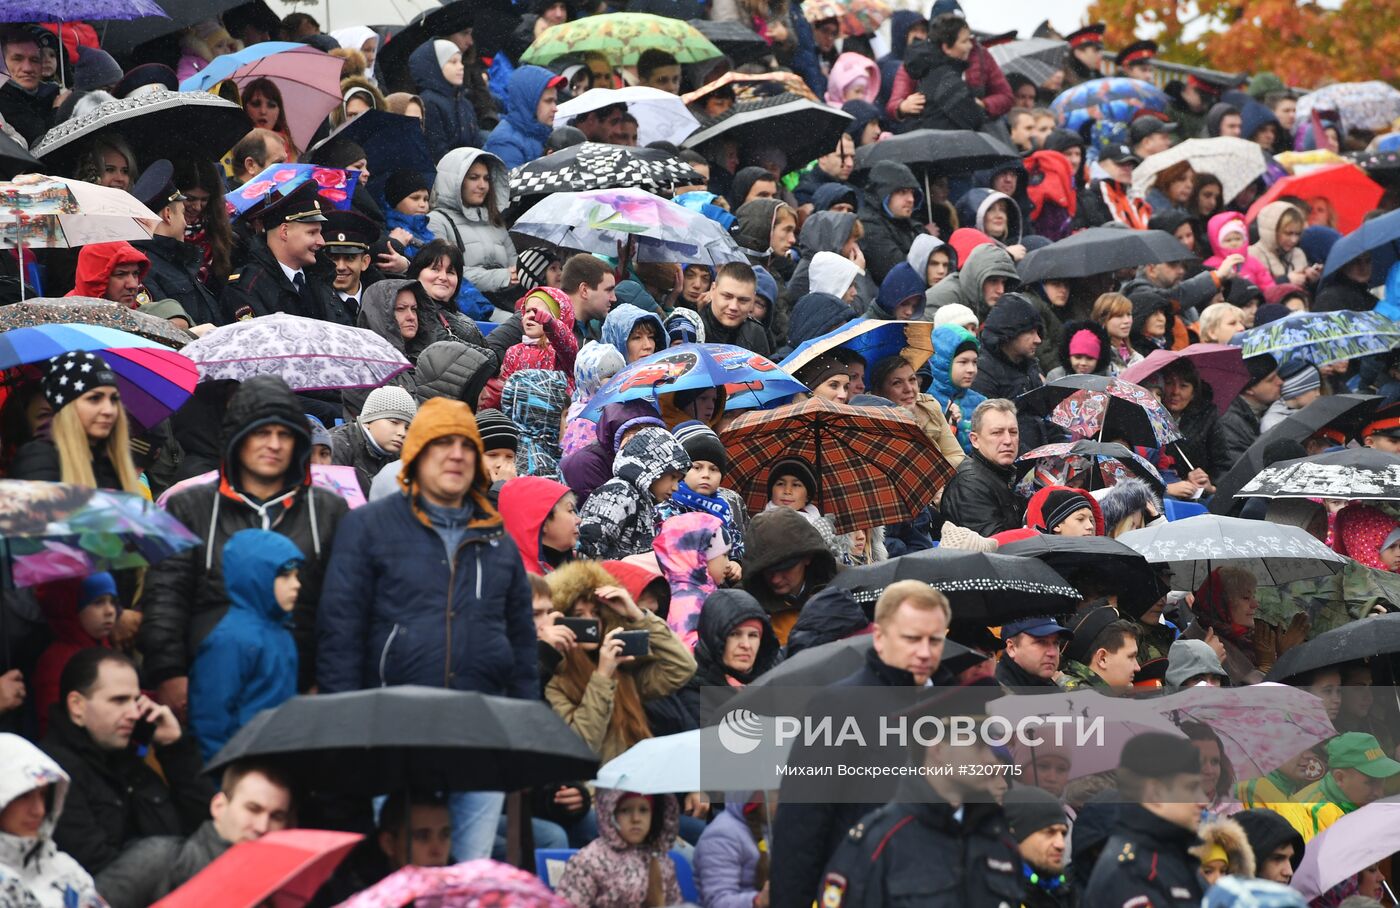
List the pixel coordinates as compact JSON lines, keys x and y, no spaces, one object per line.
{"x":1328,"y":789}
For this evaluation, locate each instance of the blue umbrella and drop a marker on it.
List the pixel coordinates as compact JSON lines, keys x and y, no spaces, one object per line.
{"x":692,"y":366}
{"x":226,"y":65}
{"x":1116,"y":98}
{"x":1378,"y":236}
{"x":872,"y":339}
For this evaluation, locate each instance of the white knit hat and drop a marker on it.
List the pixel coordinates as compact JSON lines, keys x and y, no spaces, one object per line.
{"x":955,"y":314}
{"x":444,"y":51}
{"x":388,"y":402}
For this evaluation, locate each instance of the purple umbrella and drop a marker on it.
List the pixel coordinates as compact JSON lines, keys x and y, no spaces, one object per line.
{"x":1348,"y":846}
{"x":61,"y":11}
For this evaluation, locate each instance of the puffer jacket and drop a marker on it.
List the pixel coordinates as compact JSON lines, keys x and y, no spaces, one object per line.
{"x":621,"y":517}
{"x":453,"y":370}
{"x":184,"y":594}
{"x":589,"y":468}
{"x":623,"y":319}
{"x":887,"y":239}
{"x":487,"y":251}
{"x":248,"y":663}
{"x":726,"y":858}
{"x":519,"y":138}
{"x":609,"y":873}
{"x":947,"y":341}
{"x":972,"y":211}
{"x":1267,"y":252}
{"x":449,"y":120}
{"x":97,"y":261}
{"x":525,"y":504}
{"x":535,"y":400}
{"x":902,"y":283}
{"x":377,"y":315}
{"x":776,"y":536}
{"x":352,"y":447}
{"x":824,"y":231}
{"x":965,"y":285}
{"x":33,"y":872}
{"x":555,"y":350}
{"x":680,"y":549}
{"x":1253,"y":265}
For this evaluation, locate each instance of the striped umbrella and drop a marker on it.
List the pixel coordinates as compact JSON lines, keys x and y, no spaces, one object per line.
{"x":874,"y":466}
{"x":154,"y":380}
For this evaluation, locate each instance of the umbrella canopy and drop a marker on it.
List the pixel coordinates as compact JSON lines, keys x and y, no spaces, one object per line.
{"x":307,"y":353}
{"x":937,"y":152}
{"x":801,"y":128}
{"x":600,"y":220}
{"x":1220,"y":365}
{"x":1361,"y":105}
{"x":474,"y":884}
{"x":661,"y":116}
{"x":735,"y":40}
{"x":594,"y":165}
{"x":1236,"y":162}
{"x":1099,"y":250}
{"x":691,"y":366}
{"x":1038,"y":59}
{"x":1344,"y":414}
{"x":1353,"y":474}
{"x":1363,"y":837}
{"x":753,"y":86}
{"x":391,"y":142}
{"x":308,"y":79}
{"x":156,"y":124}
{"x":73,"y":10}
{"x":121,"y":36}
{"x":337,"y":478}
{"x":282,"y":867}
{"x":674,"y":763}
{"x":1261,"y":727}
{"x":622,"y":37}
{"x":335,"y":186}
{"x":153,"y":379}
{"x":1274,"y":553}
{"x":987,"y":589}
{"x":820,"y":666}
{"x":1381,"y":166}
{"x":15,"y":158}
{"x":1106,"y":563}
{"x":55,"y":213}
{"x":873,"y":466}
{"x":1322,"y":337}
{"x":491,"y":22}
{"x":1096,"y":406}
{"x":1361,"y":639}
{"x":873,"y":339}
{"x":85,"y":310}
{"x":388,"y":739}
{"x":1062,"y":463}
{"x":1345,"y":187}
{"x":1122,"y":720}
{"x":52,"y":531}
{"x":1116,"y":98}
{"x":1380,"y":237}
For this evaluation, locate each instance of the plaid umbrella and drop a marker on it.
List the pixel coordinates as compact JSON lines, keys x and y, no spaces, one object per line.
{"x":1323,"y":337}
{"x":874,"y":466}
{"x":1095,"y":406}
{"x":594,"y":165}
{"x":1038,"y":59}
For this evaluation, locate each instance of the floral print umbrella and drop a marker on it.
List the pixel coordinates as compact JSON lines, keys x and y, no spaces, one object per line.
{"x":85,"y":310}
{"x":1261,"y":727}
{"x":1361,"y":105}
{"x":622,"y":37}
{"x":1323,"y":337}
{"x":53,"y":531}
{"x":307,"y":353}
{"x":1105,"y":409}
{"x":1117,"y":98}
{"x":474,"y":883}
{"x":1066,"y":463}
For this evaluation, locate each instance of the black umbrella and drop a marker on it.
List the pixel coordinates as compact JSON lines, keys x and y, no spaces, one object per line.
{"x":1096,"y":565}
{"x":594,"y":165}
{"x":802,"y":128}
{"x":15,"y":158}
{"x":830,"y":662}
{"x":985,"y":589}
{"x":156,"y":124}
{"x":491,"y":22}
{"x":389,"y":739}
{"x":1381,"y":166}
{"x":1351,"y":474}
{"x":1100,"y":250}
{"x":391,"y":142}
{"x":937,"y":152}
{"x":1344,"y":413}
{"x":121,"y":36}
{"x":739,"y":43}
{"x":1360,"y":639}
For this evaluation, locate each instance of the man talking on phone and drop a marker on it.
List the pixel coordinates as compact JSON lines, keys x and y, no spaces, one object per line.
{"x":100,"y":731}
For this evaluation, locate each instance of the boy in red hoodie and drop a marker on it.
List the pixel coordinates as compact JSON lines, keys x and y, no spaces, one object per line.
{"x":81,"y":615}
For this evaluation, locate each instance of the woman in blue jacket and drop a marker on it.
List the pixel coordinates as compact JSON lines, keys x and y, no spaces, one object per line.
{"x":530,"y":102}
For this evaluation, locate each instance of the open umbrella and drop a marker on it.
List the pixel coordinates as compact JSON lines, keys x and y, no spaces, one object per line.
{"x":284,"y":867}
{"x":1361,"y":105}
{"x":1038,"y":59}
{"x":1236,"y":162}
{"x":308,"y":79}
{"x":1361,"y":639}
{"x":85,"y":310}
{"x":337,"y":478}
{"x":1106,"y":562}
{"x":937,"y":152}
{"x":753,"y":86}
{"x":1261,"y":727}
{"x":1346,"y":188}
{"x":391,"y":142}
{"x":661,"y":116}
{"x":1064,"y":462}
{"x":389,"y":739}
{"x":307,"y":353}
{"x":121,"y":36}
{"x":156,"y":124}
{"x":1379,"y":237}
{"x":622,"y":37}
{"x":1274,"y":553}
{"x":1323,"y":337}
{"x":801,"y":128}
{"x":602,"y":220}
{"x":594,"y":165}
{"x":1114,"y":98}
{"x":873,"y":339}
{"x":820,"y":666}
{"x":153,"y":379}
{"x":1096,"y":406}
{"x":1099,"y":250}
{"x":474,"y":884}
{"x":988,"y":589}
{"x":692,"y":366}
{"x":735,"y":40}
{"x":15,"y":158}
{"x":1221,"y":366}
{"x":1381,"y":166}
{"x":1352,"y":474}
{"x":491,"y":22}
{"x":1117,"y":719}
{"x":1366,"y":836}
{"x":873,"y":466}
{"x":335,"y":186}
{"x":672,"y":763}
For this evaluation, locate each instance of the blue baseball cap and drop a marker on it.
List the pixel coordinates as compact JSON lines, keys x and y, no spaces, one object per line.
{"x":1040,"y":626}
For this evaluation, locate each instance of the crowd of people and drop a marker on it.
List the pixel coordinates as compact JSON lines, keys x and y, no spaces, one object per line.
{"x":503,"y":533}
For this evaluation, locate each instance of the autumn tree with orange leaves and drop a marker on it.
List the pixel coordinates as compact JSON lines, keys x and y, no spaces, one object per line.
{"x":1303,"y":43}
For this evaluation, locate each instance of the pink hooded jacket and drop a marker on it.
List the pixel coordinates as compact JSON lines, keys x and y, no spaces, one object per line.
{"x":1252,"y":267}
{"x":848,"y":68}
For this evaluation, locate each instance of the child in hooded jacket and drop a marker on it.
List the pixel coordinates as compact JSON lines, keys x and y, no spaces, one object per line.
{"x":628,"y":865}
{"x":1229,"y":235}
{"x":547,"y":320}
{"x":622,"y":516}
{"x":535,"y":400}
{"x":954,"y":367}
{"x":595,"y":364}
{"x":692,"y":551}
{"x":81,"y":615}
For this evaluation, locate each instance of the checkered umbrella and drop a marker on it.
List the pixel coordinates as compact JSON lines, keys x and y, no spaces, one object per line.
{"x":874,"y":466}
{"x":594,"y":165}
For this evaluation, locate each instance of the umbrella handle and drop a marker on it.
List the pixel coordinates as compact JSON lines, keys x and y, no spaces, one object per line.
{"x":1182,"y":454}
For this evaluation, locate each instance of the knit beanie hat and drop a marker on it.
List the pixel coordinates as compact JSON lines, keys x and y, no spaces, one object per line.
{"x":403,"y":183}
{"x":1260,"y":367}
{"x":820,"y":369}
{"x":1059,"y":505}
{"x":439,"y":418}
{"x":1029,"y":809}
{"x":532,"y":266}
{"x":99,"y":584}
{"x":684,"y":326}
{"x":955,"y":314}
{"x":73,"y":374}
{"x":444,"y":51}
{"x":1299,"y":377}
{"x":701,"y":443}
{"x":1085,"y":343}
{"x":388,"y":402}
{"x":498,"y":433}
{"x":96,"y":69}
{"x":797,"y":467}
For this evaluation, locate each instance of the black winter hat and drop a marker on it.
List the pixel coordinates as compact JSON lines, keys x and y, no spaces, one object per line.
{"x":1059,"y":505}
{"x":73,"y":374}
{"x":403,"y":183}
{"x":701,"y":443}
{"x":498,"y":433}
{"x":1029,"y":810}
{"x":1158,"y":755}
{"x":797,"y":467}
{"x":1266,"y":832}
{"x":1260,"y":367}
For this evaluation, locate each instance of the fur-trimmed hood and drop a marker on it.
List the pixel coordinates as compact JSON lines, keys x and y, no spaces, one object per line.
{"x":1123,"y":498}
{"x":1229,"y":835}
{"x":578,"y":579}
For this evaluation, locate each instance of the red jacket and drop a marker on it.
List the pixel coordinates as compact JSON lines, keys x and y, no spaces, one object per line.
{"x":525,"y":503}
{"x":59,"y":601}
{"x":983,"y":76}
{"x":97,"y":261}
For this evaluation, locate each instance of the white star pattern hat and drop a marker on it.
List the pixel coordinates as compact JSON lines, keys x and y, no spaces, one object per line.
{"x":73,"y":374}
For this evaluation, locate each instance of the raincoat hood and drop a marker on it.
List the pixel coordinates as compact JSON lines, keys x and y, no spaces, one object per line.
{"x":663,"y":834}
{"x":377,"y":313}
{"x":548,"y":295}
{"x":452,"y":170}
{"x":260,"y":401}
{"x":527,"y":83}
{"x":1254,"y":117}
{"x":681,"y":549}
{"x":755,"y":225}
{"x":1036,"y":517}
{"x":615,"y":419}
{"x":974,"y":205}
{"x":1218,"y":111}
{"x":595,"y":364}
{"x":948,"y":341}
{"x":777,"y":535}
{"x":862,"y":112}
{"x":986,"y":261}
{"x":832,"y":273}
{"x":97,"y":261}
{"x":1218,"y":221}
{"x":848,"y":69}
{"x":26,"y":767}
{"x":1267,"y":222}
{"x":647,"y":456}
{"x":623,"y":319}
{"x":831,"y":194}
{"x":354,"y":37}
{"x":525,"y":503}
{"x":1013,"y":315}
{"x":724,"y":611}
{"x":825,"y":231}
{"x":900,"y":284}
{"x":426,"y":72}
{"x":814,"y":315}
{"x":964,"y":240}
{"x":831,"y":615}
{"x":924,"y":245}
{"x":885,"y":178}
{"x":254,"y":558}
{"x":743,"y":182}
{"x":900,"y":23}
{"x":633,"y":293}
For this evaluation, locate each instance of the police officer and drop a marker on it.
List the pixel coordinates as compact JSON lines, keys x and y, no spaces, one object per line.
{"x":1135,"y":61}
{"x":174,"y":264}
{"x":278,"y":276}
{"x":1145,"y":863}
{"x":1085,"y":55}
{"x":348,"y":236}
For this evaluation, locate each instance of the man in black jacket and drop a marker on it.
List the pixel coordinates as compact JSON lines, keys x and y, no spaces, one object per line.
{"x":276,"y":277}
{"x":1240,"y":421}
{"x":887,"y":212}
{"x":1038,"y":824}
{"x":114,"y":796}
{"x":1008,"y":366}
{"x":264,"y":482}
{"x":980,"y":496}
{"x":1033,"y":654}
{"x":26,"y":101}
{"x":174,"y":264}
{"x":730,"y":304}
{"x":1147,"y":859}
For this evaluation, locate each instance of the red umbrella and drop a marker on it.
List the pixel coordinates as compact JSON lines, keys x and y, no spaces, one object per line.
{"x":1220,"y":365}
{"x":1345,"y":187}
{"x":282,"y":869}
